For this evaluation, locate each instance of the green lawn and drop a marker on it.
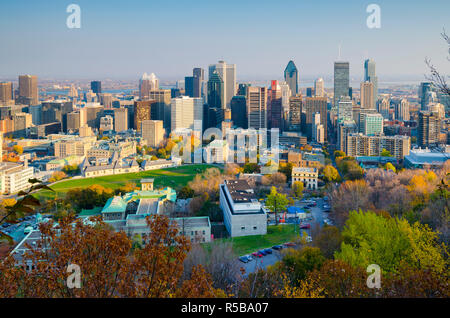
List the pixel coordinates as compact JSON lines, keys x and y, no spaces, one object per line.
{"x":276,"y":234}
{"x":176,"y":178}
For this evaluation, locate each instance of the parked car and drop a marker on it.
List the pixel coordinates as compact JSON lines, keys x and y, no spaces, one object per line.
{"x":277,"y":247}
{"x":243,"y":259}
{"x":305,"y":226}
{"x":262,"y":252}
{"x":268,"y":250}
{"x":257,"y":254}
{"x":290,"y":244}
{"x":249,"y":258}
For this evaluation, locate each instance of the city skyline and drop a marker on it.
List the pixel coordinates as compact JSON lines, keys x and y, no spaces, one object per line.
{"x":115,"y":32}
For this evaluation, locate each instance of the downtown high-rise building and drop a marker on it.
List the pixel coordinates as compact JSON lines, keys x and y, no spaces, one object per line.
{"x":428,"y":129}
{"x":274,"y":106}
{"x":96,"y":87}
{"x":315,"y":105}
{"x":370,"y":76}
{"x":319,"y":88}
{"x":295,"y":113}
{"x":425,"y":94}
{"x":199,"y":78}
{"x":367,"y":100}
{"x":383,"y":106}
{"x":120,"y":119}
{"x":239,"y":112}
{"x":28,"y":90}
{"x":146,"y":84}
{"x":227,"y":73}
{"x":216,"y":91}
{"x":6,"y":93}
{"x":341,"y":81}
{"x":184,"y":111}
{"x":345,"y":109}
{"x":371,"y":124}
{"x":152,"y":132}
{"x":318,"y":133}
{"x":402,"y":110}
{"x":161,"y":108}
{"x":257,"y":107}
{"x":291,"y":77}
{"x":142,"y":111}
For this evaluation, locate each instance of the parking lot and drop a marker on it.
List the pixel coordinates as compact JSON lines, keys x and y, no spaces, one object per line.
{"x":16,"y":231}
{"x":317,"y":215}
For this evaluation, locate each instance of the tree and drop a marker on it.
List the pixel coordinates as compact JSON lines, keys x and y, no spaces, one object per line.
{"x":109,"y":267}
{"x":232,"y":169}
{"x":276,"y":202}
{"x":329,"y":240}
{"x":18,"y":149}
{"x":437,"y":78}
{"x":251,"y":168}
{"x":297,"y":190}
{"x":297,"y":263}
{"x":330,"y":174}
{"x":386,"y":153}
{"x":390,"y":166}
{"x":369,"y":238}
{"x":338,"y":279}
{"x":57,"y":175}
{"x":339,"y":153}
{"x":185,"y":193}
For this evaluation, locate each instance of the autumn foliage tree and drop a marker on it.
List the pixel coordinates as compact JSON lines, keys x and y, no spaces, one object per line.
{"x":108,"y":265}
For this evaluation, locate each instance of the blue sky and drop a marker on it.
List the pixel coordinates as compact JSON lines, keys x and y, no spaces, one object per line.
{"x":123,"y":39}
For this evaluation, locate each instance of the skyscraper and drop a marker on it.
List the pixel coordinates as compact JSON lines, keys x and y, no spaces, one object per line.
{"x":6,"y":94}
{"x":319,"y":89}
{"x":239,"y":111}
{"x":402,"y":110}
{"x":383,"y":106}
{"x":316,"y":105}
{"x":370,"y":76}
{"x":257,"y":107}
{"x":425,"y":94}
{"x":120,"y":119}
{"x":142,"y":111}
{"x":146,"y":84}
{"x":274,"y":107}
{"x":199,"y":77}
{"x":295,"y":113}
{"x":428,"y":129}
{"x":216,"y":90}
{"x":367,"y":101}
{"x":227,"y":73}
{"x":96,"y":87}
{"x":317,"y":129}
{"x":189,"y":86}
{"x":28,"y":90}
{"x":341,"y":81}
{"x":291,"y":77}
{"x":345,"y":109}
{"x":161,"y":109}
{"x":371,"y":124}
{"x":152,"y":132}
{"x":184,"y":110}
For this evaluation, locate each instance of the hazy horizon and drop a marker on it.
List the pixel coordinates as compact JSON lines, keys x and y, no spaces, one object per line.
{"x":122,"y":40}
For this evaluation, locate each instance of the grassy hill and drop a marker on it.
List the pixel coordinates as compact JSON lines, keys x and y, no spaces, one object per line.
{"x":176,"y":178}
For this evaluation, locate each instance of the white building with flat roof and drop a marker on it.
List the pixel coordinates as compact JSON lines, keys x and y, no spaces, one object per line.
{"x":242,"y":212}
